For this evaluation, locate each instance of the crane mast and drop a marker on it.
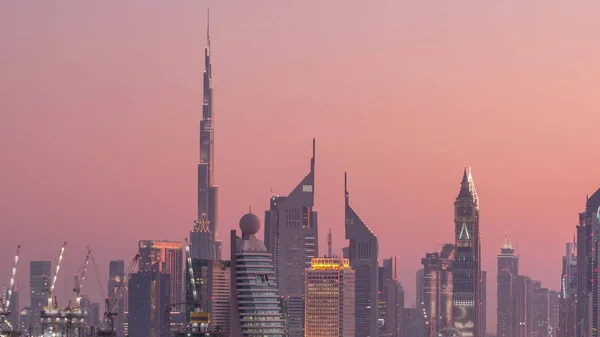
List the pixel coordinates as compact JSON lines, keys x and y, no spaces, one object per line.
{"x":78,"y":278}
{"x":51,"y":290}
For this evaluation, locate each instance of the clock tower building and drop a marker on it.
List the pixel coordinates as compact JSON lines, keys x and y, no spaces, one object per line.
{"x":467,"y":297}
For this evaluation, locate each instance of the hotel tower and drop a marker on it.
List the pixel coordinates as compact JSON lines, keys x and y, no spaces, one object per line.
{"x":467,"y":260}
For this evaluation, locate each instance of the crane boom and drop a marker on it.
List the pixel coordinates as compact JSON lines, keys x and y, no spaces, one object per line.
{"x":188,"y":256}
{"x":109,"y":305}
{"x":11,"y":285}
{"x":79,"y":278}
{"x":60,"y":258}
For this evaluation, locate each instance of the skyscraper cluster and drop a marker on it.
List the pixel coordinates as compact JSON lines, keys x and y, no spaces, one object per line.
{"x":281,"y":285}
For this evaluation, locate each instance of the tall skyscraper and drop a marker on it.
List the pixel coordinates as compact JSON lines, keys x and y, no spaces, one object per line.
{"x":568,"y":293}
{"x":521,"y":318}
{"x":438,"y":282}
{"x":553,"y":319}
{"x":467,"y":260}
{"x":389,"y":314}
{"x":363,"y":253}
{"x":252,"y":277}
{"x":116,"y":275}
{"x":291,"y":235}
{"x":329,"y":301}
{"x":39,"y":283}
{"x":203,"y":236}
{"x":148,"y":293}
{"x":483,"y":304}
{"x":508,"y":269}
{"x":588,"y":232}
{"x":541,"y":312}
{"x":168,"y":256}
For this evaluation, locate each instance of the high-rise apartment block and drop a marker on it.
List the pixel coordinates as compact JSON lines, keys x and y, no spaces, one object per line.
{"x":467,"y":260}
{"x":252,"y":278}
{"x":363,"y":253}
{"x":291,"y":235}
{"x":329,"y":308}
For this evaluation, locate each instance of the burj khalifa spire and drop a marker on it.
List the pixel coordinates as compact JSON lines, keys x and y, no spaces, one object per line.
{"x":203,"y":237}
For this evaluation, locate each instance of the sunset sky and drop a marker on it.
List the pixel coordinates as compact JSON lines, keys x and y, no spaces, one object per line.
{"x":100,"y":105}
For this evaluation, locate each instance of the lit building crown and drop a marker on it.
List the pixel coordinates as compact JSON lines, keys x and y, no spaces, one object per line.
{"x":330,"y":263}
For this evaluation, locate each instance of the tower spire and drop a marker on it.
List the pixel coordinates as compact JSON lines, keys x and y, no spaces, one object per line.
{"x":329,"y":244}
{"x":208,"y":27}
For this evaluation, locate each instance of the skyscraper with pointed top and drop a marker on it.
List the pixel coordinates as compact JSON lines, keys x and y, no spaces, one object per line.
{"x":291,"y":235}
{"x":508,"y":270}
{"x":362,"y":253}
{"x":467,"y":260}
{"x":203,"y":236}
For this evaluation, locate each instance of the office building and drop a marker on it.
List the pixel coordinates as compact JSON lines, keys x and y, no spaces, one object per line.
{"x":291,"y":235}
{"x":203,"y":235}
{"x":363,"y":253}
{"x":541,"y":312}
{"x":483,"y":303}
{"x":94,"y":315}
{"x":467,"y":260}
{"x":148,"y":310}
{"x":553,"y":319}
{"x":568,"y":292}
{"x":522,"y":309}
{"x":394,"y":315}
{"x":116,"y":275}
{"x":167,"y":256}
{"x":587,"y":323}
{"x":39,"y":283}
{"x":329,"y":308}
{"x":437,"y":287}
{"x":508,"y":269}
{"x":247,"y":317}
{"x":26,"y":323}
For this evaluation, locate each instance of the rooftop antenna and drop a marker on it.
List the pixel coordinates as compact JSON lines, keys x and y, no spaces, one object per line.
{"x":329,"y":242}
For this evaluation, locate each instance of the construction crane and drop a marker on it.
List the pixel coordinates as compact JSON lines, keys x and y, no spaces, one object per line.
{"x":6,"y":327}
{"x":109,"y":312}
{"x":188,"y":256}
{"x":79,"y":277}
{"x":51,"y":289}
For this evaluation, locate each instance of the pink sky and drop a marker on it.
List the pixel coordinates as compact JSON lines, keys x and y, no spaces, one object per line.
{"x":101,"y":103}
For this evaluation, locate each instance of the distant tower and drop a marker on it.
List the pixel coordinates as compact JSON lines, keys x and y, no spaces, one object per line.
{"x":203,"y":235}
{"x":363,"y":254}
{"x":467,"y":262}
{"x":291,"y":235}
{"x":39,"y":282}
{"x":249,"y":317}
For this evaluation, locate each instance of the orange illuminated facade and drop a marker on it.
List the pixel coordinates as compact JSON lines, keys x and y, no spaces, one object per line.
{"x":329,"y":301}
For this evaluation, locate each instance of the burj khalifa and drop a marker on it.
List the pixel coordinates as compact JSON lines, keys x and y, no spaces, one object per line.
{"x":204,"y":244}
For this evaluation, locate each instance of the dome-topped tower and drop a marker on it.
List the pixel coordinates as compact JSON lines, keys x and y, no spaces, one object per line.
{"x":249,"y":224}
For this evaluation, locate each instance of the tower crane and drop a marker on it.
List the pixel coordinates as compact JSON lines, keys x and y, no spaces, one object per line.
{"x":109,"y":312}
{"x":188,"y":256}
{"x":78,"y":278}
{"x":52,"y":305}
{"x":6,"y":326}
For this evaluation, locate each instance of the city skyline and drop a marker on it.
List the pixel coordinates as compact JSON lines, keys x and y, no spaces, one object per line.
{"x":524,"y":214}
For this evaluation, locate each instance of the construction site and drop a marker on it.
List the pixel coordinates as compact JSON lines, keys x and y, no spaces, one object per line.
{"x":71,"y":318}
